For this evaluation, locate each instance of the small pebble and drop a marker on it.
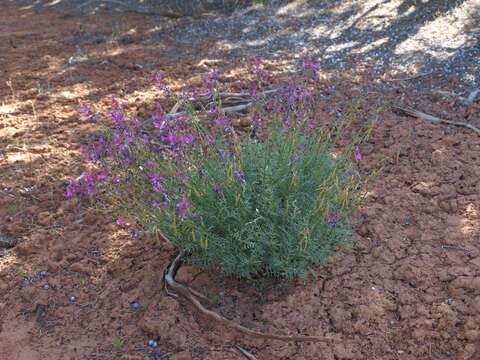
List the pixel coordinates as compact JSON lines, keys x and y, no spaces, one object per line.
{"x":46,"y":286}
{"x":135,"y":306}
{"x":43,"y":273}
{"x":72,"y":299}
{"x":152,"y":343}
{"x":413,"y":284}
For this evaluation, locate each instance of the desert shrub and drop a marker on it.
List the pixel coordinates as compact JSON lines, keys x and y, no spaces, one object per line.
{"x":269,"y":202}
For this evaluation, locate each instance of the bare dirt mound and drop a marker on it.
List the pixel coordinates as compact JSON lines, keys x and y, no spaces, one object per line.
{"x":409,"y":289}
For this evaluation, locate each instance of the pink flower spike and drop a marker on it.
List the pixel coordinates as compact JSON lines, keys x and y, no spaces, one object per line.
{"x":358,"y":155}
{"x":151,"y":165}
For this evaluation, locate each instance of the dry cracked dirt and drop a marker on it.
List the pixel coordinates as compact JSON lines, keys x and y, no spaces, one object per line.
{"x":408,"y":289}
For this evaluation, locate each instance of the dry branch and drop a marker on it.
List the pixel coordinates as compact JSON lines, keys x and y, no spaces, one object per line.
{"x":246,"y":353}
{"x":186,"y":292}
{"x":434,"y":119}
{"x":413,"y":77}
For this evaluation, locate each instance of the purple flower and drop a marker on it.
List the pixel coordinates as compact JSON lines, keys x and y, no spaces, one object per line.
{"x":209,"y":78}
{"x":158,"y":120}
{"x":188,"y":139}
{"x":171,"y":138}
{"x":358,"y":154}
{"x":114,"y":102}
{"x":156,"y":204}
{"x":311,"y":67}
{"x":219,"y":189}
{"x":121,"y":222}
{"x":72,"y":188}
{"x":308,"y":64}
{"x":135,"y":122}
{"x":89,"y":181}
{"x":257,"y":70}
{"x":155,"y":181}
{"x":332,"y":218}
{"x":117,"y":138}
{"x":183,"y":207}
{"x":117,"y":118}
{"x":223,"y":122}
{"x":144,"y":139}
{"x":160,"y":84}
{"x":87,"y":113}
{"x":102,"y":177}
{"x":240,"y":175}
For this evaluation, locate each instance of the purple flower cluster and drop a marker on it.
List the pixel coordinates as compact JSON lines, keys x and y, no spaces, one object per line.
{"x":333,"y":217}
{"x":158,"y":159}
{"x":311,"y":68}
{"x":183,"y":207}
{"x":86,"y":184}
{"x":258,"y":71}
{"x":240,"y":176}
{"x":87,"y":114}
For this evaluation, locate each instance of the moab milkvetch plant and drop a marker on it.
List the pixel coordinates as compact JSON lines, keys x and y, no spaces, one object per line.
{"x":270,"y":200}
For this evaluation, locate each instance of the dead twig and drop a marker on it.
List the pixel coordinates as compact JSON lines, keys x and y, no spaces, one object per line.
{"x":231,"y":109}
{"x":246,"y":353}
{"x":464,"y":100}
{"x":453,"y":247}
{"x":127,"y":7}
{"x":413,"y":76}
{"x":434,"y":119}
{"x":186,"y":292}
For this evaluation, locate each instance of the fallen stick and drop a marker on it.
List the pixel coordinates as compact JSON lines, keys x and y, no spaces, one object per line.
{"x":413,"y":76}
{"x":231,"y":109}
{"x":464,"y":100}
{"x":434,"y":119}
{"x":186,"y":292}
{"x":246,"y":353}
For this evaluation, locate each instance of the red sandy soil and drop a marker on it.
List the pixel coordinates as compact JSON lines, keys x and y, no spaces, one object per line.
{"x":408,"y":289}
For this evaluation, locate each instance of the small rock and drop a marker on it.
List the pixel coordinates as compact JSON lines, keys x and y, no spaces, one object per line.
{"x":7,"y":242}
{"x":135,"y":306}
{"x":46,"y":286}
{"x":152,"y":343}
{"x":81,"y":268}
{"x":72,"y":299}
{"x":45,"y":218}
{"x":413,"y":284}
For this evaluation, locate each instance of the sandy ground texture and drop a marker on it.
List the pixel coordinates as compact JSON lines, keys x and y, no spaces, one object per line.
{"x":408,"y":289}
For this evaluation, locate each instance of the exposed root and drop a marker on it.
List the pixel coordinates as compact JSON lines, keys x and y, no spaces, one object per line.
{"x":187,"y":293}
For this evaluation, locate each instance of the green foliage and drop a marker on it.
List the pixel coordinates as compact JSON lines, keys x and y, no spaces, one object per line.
{"x":275,"y":222}
{"x":272,"y":204}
